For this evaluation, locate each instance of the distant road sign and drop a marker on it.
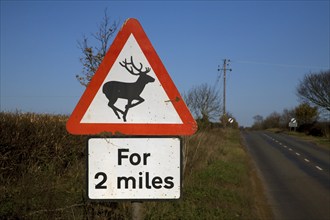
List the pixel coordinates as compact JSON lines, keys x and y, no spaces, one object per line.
{"x":293,"y":123}
{"x":131,"y":93}
{"x":230,"y":120}
{"x":134,"y":168}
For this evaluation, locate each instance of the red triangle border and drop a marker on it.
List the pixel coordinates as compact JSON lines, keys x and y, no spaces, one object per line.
{"x":74,"y":126}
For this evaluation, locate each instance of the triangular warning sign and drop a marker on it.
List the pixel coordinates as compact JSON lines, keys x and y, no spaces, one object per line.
{"x":131,"y":93}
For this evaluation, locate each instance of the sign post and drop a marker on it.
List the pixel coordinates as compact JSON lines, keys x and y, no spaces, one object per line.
{"x":132,"y":101}
{"x":293,"y":124}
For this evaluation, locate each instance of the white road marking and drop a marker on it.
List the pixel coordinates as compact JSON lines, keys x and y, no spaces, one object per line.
{"x":290,"y":149}
{"x":318,"y":167}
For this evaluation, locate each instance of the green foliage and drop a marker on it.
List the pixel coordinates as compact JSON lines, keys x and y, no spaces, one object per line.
{"x":36,"y":140}
{"x":305,"y":114}
{"x":43,"y":170}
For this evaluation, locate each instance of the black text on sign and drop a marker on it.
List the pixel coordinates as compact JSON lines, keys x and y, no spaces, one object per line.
{"x":134,"y":168}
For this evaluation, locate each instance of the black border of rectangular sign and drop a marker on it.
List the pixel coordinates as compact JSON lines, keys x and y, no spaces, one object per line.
{"x":127,"y":137}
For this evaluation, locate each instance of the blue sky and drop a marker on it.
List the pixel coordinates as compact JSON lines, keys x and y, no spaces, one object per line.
{"x":271,"y":45}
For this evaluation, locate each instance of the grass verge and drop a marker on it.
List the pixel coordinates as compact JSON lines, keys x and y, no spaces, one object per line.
{"x":320,"y":141}
{"x":219,"y":182}
{"x":323,"y":141}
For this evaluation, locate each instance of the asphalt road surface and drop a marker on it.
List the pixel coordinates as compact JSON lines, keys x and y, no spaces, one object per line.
{"x":296,"y":175}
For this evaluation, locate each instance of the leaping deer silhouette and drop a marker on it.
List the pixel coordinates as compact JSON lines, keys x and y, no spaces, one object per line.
{"x":114,"y":90}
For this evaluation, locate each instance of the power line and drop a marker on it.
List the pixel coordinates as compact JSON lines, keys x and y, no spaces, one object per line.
{"x":280,"y":64}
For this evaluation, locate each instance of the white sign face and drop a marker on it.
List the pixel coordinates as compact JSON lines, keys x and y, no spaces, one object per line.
{"x":293,"y":123}
{"x":134,"y":168}
{"x":155,"y":107}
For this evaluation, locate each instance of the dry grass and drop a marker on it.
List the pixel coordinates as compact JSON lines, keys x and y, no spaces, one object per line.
{"x":218,"y":181}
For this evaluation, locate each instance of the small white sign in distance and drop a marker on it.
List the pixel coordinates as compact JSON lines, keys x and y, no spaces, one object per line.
{"x":135,"y":168}
{"x":293,"y":123}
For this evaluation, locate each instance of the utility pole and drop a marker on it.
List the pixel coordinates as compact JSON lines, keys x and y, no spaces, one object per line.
{"x":224,"y":68}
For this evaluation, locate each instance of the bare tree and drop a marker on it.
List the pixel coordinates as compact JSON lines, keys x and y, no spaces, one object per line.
{"x":272,"y":121}
{"x":315,"y":88}
{"x":92,"y":56}
{"x":204,"y":102}
{"x":258,"y":120}
{"x":286,"y":116}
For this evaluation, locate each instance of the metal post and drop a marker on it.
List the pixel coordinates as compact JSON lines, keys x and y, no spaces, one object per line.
{"x":224,"y":87}
{"x":224,"y":68}
{"x":137,"y":211}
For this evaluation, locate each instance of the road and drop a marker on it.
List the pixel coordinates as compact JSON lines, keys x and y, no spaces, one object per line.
{"x":296,"y":174}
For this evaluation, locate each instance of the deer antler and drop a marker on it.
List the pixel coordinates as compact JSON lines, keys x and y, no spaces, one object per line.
{"x":130,"y":70}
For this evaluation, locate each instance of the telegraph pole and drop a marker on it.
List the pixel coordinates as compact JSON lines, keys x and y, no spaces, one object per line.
{"x":224,"y":68}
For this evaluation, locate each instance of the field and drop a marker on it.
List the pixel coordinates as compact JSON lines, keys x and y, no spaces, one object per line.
{"x":43,"y":176}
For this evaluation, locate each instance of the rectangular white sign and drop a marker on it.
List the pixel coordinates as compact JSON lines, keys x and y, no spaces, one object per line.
{"x":135,"y":168}
{"x":293,"y":125}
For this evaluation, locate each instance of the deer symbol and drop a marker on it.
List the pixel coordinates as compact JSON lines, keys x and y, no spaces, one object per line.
{"x":114,"y":90}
